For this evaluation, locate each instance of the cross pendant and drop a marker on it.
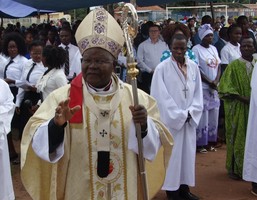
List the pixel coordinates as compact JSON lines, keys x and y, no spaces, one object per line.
{"x":185,"y":91}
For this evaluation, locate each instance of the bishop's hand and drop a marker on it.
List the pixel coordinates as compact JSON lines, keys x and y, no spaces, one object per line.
{"x":64,"y":113}
{"x":139,"y":114}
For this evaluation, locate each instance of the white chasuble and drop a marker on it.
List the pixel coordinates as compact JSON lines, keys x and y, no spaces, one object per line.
{"x":106,"y":126}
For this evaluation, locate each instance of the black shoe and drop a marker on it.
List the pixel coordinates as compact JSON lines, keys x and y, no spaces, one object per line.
{"x":188,"y":195}
{"x":173,"y":195}
{"x":13,"y":157}
{"x":16,"y":161}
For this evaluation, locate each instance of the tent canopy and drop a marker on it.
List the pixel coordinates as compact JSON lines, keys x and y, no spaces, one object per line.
{"x":65,"y":4}
{"x":12,"y":9}
{"x":74,"y":4}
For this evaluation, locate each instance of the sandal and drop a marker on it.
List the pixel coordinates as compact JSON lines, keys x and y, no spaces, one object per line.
{"x":213,"y":149}
{"x":254,"y":189}
{"x":202,"y":150}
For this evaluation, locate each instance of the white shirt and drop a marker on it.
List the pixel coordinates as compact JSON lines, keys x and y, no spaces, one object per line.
{"x":35,"y":75}
{"x":74,"y":60}
{"x":208,"y":59}
{"x":149,"y":54}
{"x":14,"y":70}
{"x":229,"y":53}
{"x":51,"y":81}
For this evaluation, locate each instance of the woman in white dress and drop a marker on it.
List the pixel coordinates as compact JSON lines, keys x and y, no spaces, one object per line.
{"x":54,"y":77}
{"x":231,"y":51}
{"x":6,"y":114}
{"x":209,"y":64}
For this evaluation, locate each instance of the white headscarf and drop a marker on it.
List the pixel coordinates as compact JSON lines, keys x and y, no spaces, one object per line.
{"x":204,"y":30}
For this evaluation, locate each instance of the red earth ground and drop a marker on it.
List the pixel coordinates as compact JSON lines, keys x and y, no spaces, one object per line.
{"x":212,"y":182}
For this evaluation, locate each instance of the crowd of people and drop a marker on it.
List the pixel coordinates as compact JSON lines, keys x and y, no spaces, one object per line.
{"x":65,"y":92}
{"x":225,"y":57}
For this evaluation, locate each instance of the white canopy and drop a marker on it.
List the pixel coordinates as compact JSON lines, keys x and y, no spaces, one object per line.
{"x":13,"y":9}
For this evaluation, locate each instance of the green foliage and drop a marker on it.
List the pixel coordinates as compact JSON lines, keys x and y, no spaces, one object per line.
{"x":77,"y":13}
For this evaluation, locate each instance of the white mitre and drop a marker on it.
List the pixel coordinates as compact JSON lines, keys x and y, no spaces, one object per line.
{"x":100,"y":29}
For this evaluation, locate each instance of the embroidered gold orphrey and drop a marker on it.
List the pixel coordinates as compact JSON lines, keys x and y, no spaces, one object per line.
{"x":114,"y":185}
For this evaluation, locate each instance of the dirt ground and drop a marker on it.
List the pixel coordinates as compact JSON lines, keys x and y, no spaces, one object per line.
{"x":212,"y":182}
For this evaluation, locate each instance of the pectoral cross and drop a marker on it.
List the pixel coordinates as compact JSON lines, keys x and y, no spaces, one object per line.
{"x":185,"y":91}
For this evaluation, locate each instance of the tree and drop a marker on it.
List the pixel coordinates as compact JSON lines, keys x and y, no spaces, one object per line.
{"x":78,"y":14}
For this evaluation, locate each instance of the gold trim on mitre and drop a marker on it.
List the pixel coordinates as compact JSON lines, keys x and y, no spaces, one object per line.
{"x":100,"y":29}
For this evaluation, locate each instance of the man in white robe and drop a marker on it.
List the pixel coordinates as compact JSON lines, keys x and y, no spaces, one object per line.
{"x":81,"y":142}
{"x":6,"y":113}
{"x":176,"y":86}
{"x":250,"y":155}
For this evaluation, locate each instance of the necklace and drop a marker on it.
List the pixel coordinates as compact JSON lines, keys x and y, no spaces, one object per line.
{"x":183,"y":69}
{"x":211,"y":62}
{"x":212,"y":53}
{"x":185,"y":89}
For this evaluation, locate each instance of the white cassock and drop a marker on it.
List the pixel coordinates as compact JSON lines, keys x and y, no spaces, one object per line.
{"x":168,"y":88}
{"x":250,"y":156}
{"x":6,"y":114}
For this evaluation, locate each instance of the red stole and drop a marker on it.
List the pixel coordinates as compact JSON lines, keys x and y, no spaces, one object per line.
{"x":76,"y":98}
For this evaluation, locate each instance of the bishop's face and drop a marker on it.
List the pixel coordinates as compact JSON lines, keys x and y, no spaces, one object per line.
{"x":97,"y":67}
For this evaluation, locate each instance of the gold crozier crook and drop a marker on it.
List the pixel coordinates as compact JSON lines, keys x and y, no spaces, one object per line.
{"x":130,"y":32}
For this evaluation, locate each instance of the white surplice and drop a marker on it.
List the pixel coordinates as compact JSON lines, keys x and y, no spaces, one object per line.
{"x":168,"y":85}
{"x":6,"y":114}
{"x":250,"y":156}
